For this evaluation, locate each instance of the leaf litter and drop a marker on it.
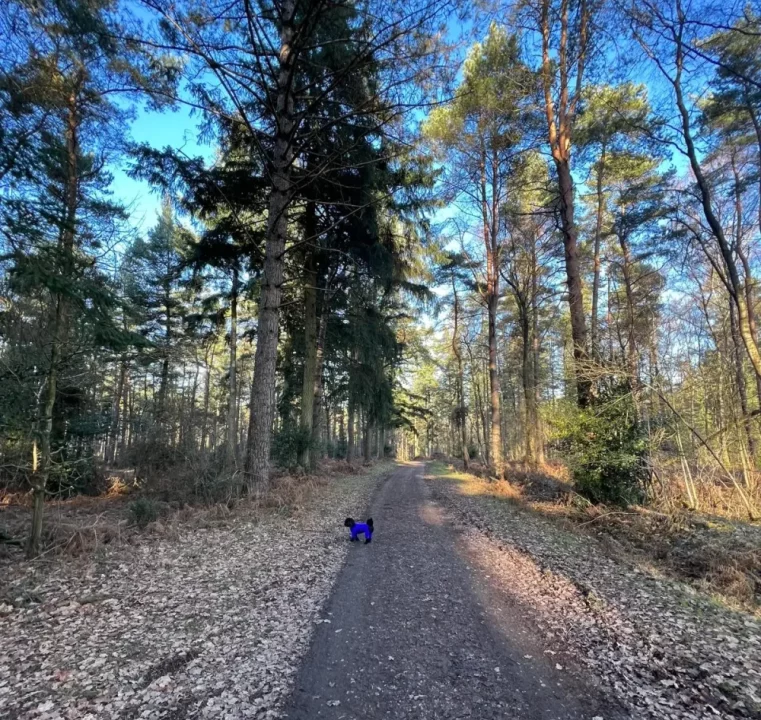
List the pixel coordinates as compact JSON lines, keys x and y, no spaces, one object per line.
{"x":662,"y":648}
{"x":208,"y":623}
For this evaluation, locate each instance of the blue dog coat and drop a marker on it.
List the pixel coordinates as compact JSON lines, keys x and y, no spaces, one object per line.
{"x":363,"y":528}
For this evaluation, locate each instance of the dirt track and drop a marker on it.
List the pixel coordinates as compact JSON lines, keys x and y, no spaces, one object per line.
{"x":413,"y":630}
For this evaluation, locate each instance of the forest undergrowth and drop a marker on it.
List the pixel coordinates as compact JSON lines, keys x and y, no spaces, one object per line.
{"x":129,"y":511}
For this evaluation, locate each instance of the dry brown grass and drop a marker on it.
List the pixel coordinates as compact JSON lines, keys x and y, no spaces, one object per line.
{"x":715,"y":494}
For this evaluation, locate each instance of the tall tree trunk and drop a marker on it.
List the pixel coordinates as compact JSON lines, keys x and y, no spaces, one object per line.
{"x":559,"y":134}
{"x":461,"y":417}
{"x":495,"y":435}
{"x":535,"y":356}
{"x":749,"y":284}
{"x":116,"y":413}
{"x":594,"y":325}
{"x":737,"y":356}
{"x":60,"y":329}
{"x":366,"y":439}
{"x":308,"y":388}
{"x":125,"y":439}
{"x":42,"y":475}
{"x":327,"y":431}
{"x":161,"y":404}
{"x":263,"y":386}
{"x":350,"y":441}
{"x":748,"y":287}
{"x":523,"y":321}
{"x":242,"y":425}
{"x":341,"y":425}
{"x":208,"y":362}
{"x":478,"y":396}
{"x":490,"y":217}
{"x":318,"y":422}
{"x":191,"y":431}
{"x":183,"y":405}
{"x":573,"y":278}
{"x":632,"y":351}
{"x":529,"y":398}
{"x":232,"y":400}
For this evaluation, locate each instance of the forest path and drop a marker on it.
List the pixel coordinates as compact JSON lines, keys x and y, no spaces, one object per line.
{"x":414,"y":630}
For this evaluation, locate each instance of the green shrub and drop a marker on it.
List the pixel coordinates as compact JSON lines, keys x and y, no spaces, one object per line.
{"x":607,"y":448}
{"x":77,"y":476}
{"x":288,"y":444}
{"x":143,"y":511}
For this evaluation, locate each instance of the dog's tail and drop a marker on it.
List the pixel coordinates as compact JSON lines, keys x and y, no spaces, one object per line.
{"x":369,"y":523}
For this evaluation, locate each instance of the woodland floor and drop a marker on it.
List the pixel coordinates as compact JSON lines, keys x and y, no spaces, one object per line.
{"x":466,"y":605}
{"x":205,"y":617}
{"x":664,"y":649}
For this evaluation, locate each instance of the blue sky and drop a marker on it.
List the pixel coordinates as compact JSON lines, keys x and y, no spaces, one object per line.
{"x":159,"y":129}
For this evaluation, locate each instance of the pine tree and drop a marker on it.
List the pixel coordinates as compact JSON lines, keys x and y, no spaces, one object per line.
{"x":481,"y":135}
{"x":155,"y":269}
{"x":58,"y":215}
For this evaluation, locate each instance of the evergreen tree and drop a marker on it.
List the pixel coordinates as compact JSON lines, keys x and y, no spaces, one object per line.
{"x":481,"y":134}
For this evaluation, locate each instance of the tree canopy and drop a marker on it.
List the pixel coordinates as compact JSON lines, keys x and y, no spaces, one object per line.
{"x":518,"y":242}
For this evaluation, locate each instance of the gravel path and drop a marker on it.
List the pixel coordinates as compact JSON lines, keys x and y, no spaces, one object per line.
{"x":414,"y":630}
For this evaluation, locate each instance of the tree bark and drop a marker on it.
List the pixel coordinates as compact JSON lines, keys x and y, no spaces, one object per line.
{"x":490,"y":217}
{"x":460,"y":385}
{"x":749,"y":284}
{"x":594,"y":325}
{"x":232,"y":400}
{"x":319,"y":421}
{"x":42,"y":475}
{"x":116,"y":413}
{"x":263,"y":386}
{"x":366,"y":440}
{"x":350,"y":441}
{"x":573,"y":278}
{"x":208,"y":362}
{"x":528,"y":394}
{"x":742,"y":391}
{"x":306,"y":456}
{"x":191,"y":423}
{"x":125,"y":439}
{"x":559,"y":134}
{"x":632,"y":351}
{"x":535,"y":355}
{"x":59,"y":334}
{"x":495,"y":434}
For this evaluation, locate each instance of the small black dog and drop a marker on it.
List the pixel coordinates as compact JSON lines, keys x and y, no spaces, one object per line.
{"x":355,"y":528}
